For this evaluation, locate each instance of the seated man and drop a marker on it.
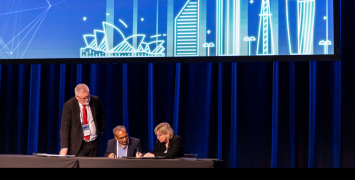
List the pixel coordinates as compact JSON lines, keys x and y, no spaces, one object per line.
{"x":123,"y":145}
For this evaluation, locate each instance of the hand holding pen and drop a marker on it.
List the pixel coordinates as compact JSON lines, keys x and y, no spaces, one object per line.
{"x":139,"y":154}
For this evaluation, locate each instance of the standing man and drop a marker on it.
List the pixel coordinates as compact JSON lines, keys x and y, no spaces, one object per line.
{"x":83,"y":122}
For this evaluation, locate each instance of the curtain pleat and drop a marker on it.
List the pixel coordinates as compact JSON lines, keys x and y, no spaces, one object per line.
{"x":220,"y":110}
{"x":275,"y":115}
{"x":312,"y":111}
{"x":150,"y":106}
{"x":292,"y":115}
{"x":61,"y":99}
{"x":52,"y":115}
{"x":125,"y":95}
{"x":176,"y":98}
{"x":34,"y":111}
{"x":21,"y":112}
{"x":9,"y":107}
{"x":79,"y":73}
{"x":336,"y":141}
{"x":233,"y":124}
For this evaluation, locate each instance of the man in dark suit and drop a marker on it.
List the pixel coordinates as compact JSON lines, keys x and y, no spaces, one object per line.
{"x":83,"y":122}
{"x":123,"y":145}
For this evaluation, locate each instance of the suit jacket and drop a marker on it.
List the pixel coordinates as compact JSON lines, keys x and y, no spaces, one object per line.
{"x":71,"y":131}
{"x":175,"y":148}
{"x":133,"y":144}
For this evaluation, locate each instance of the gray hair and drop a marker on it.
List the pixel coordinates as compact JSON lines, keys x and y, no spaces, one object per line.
{"x":81,"y":88}
{"x":118,"y":128}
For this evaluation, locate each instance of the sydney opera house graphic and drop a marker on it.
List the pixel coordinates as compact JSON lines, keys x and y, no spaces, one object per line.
{"x":97,"y":45}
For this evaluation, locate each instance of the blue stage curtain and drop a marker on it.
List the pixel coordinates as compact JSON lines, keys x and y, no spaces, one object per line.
{"x":255,"y":114}
{"x":150,"y":126}
{"x":275,"y":115}
{"x":250,"y":114}
{"x":234,"y":118}
{"x":176,"y":98}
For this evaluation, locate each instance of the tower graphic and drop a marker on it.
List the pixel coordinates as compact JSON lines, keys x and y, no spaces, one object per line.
{"x":265,"y":45}
{"x":305,"y":26}
{"x":186,"y":33}
{"x":305,"y":12}
{"x":229,"y":27}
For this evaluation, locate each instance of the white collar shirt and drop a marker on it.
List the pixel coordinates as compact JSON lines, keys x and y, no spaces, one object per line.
{"x":91,"y":122}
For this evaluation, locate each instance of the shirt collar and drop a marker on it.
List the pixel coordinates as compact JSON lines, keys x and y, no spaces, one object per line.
{"x":81,"y":105}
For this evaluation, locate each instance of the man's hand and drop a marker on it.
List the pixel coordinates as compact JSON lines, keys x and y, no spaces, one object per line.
{"x":63,"y":152}
{"x":149,"y":155}
{"x":111,"y":155}
{"x":138,"y":154}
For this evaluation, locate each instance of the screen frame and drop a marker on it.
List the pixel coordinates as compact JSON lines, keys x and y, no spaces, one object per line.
{"x":267,"y":58}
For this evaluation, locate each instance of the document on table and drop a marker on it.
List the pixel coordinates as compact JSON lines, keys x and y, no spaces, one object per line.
{"x":51,"y":155}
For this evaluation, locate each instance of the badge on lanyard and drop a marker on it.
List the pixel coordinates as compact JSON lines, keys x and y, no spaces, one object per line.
{"x":86,"y":130}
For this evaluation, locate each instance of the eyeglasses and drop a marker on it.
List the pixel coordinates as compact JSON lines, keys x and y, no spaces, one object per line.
{"x":85,"y":98}
{"x":121,"y":138}
{"x":159,"y":135}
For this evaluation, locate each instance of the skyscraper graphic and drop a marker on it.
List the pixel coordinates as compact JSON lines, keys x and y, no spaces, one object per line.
{"x":265,"y":44}
{"x":230,"y":27}
{"x":186,"y":34}
{"x":305,"y":26}
{"x":305,"y":14}
{"x":219,"y":28}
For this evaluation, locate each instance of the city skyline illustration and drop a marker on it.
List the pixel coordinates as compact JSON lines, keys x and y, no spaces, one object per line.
{"x":165,"y":28}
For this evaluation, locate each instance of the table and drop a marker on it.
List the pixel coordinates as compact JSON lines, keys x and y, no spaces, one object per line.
{"x":30,"y":161}
{"x":85,"y":162}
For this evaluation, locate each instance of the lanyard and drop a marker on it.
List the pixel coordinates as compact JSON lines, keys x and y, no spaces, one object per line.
{"x":118,"y":150}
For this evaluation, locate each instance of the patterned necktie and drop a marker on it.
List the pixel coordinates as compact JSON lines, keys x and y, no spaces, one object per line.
{"x":85,"y":121}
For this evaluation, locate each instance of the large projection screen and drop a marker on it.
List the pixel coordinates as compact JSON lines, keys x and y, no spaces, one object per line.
{"x":130,"y":31}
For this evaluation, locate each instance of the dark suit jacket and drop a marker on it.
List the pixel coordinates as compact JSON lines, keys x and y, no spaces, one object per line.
{"x":71,"y":131}
{"x":133,"y":144}
{"x":175,"y":148}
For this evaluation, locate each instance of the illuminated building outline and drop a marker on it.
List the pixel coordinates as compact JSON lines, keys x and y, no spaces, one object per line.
{"x":265,"y":24}
{"x":228,"y":27}
{"x":94,"y":48}
{"x":305,"y":26}
{"x":186,"y":32}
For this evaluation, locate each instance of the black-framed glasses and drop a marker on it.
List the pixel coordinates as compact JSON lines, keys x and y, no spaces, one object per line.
{"x":85,"y":98}
{"x":121,"y":138}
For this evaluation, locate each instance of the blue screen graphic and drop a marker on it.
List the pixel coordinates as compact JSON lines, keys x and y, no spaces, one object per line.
{"x":44,"y":29}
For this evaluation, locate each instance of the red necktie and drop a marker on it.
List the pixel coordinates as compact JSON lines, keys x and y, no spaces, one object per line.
{"x":85,"y":121}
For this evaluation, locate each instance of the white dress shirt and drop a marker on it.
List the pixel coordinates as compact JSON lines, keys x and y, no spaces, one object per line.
{"x":90,"y":119}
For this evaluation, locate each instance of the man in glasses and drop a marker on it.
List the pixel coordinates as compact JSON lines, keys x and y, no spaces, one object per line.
{"x":83,"y":122}
{"x":123,"y":145}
